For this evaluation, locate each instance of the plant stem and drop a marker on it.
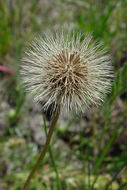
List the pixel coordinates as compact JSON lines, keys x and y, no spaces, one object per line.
{"x":42,"y":155}
{"x":52,"y":157}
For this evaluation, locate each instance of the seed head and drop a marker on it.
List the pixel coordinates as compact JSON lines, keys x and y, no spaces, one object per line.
{"x":64,"y":69}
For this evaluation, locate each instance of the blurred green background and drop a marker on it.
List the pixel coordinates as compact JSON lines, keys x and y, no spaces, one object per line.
{"x":90,"y":151}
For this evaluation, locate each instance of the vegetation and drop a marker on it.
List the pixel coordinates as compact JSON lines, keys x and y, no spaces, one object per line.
{"x":87,"y":152}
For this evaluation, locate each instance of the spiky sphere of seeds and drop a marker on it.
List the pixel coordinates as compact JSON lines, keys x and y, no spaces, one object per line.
{"x":64,"y":69}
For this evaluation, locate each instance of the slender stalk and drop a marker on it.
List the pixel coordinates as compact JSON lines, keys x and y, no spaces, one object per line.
{"x":52,"y":157}
{"x":42,"y":155}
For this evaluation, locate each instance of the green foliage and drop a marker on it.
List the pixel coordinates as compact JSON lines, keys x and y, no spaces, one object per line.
{"x":5,"y":31}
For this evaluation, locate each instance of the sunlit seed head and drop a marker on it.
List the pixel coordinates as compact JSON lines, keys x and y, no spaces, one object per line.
{"x":64,"y":70}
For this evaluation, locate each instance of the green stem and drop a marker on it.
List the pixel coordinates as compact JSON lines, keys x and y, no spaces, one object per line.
{"x":52,"y":158}
{"x":42,"y":155}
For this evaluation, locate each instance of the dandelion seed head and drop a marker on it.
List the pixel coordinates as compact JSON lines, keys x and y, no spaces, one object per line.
{"x":66,"y":70}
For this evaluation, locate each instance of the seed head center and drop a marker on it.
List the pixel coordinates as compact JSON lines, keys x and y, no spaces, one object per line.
{"x":68,"y":68}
